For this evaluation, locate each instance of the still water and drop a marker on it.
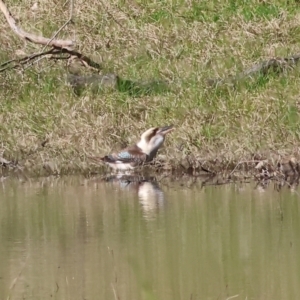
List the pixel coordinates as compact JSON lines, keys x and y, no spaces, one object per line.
{"x":79,"y":238}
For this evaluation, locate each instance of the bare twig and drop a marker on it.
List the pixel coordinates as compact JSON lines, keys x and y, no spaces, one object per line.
{"x":59,"y":46}
{"x":54,"y":52}
{"x":63,"y":26}
{"x":26,"y":59}
{"x":56,"y":33}
{"x":83,"y":58}
{"x":62,"y":44}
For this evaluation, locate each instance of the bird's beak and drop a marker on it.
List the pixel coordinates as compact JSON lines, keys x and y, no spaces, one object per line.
{"x":166,"y":129}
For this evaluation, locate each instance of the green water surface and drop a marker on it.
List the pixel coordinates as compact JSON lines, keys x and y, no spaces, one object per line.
{"x":81,"y":238}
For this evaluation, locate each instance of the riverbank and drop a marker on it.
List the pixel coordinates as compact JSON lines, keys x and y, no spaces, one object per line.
{"x":48,"y":129}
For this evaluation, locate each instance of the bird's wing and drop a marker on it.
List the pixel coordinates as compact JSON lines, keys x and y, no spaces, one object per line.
{"x":130,"y":154}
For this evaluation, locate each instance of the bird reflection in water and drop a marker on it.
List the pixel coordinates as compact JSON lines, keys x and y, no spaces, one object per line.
{"x":150,"y":195}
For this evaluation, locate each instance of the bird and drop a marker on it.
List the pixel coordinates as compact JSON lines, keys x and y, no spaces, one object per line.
{"x":142,"y":152}
{"x":151,"y":196}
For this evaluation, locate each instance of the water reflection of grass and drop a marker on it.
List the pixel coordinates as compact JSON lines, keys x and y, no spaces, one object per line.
{"x":182,"y":44}
{"x":89,"y":238}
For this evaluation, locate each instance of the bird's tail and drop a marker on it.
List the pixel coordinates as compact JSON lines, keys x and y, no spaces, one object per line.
{"x":96,"y":158}
{"x":106,"y":158}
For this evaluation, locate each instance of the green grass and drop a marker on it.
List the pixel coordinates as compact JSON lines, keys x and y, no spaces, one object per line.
{"x":182,"y":43}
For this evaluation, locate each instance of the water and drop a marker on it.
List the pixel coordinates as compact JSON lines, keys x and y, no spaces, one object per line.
{"x":85,"y":239}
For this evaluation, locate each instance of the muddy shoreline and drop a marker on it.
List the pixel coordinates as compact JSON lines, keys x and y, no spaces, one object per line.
{"x":284,"y":171}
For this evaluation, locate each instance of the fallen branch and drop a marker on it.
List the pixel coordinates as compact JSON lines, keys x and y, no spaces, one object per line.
{"x":55,"y":54}
{"x":61,"y":44}
{"x":275,"y":65}
{"x":59,"y":47}
{"x":22,"y":61}
{"x":64,"y":25}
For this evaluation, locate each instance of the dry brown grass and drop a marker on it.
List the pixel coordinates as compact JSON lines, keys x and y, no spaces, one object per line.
{"x":184,"y":44}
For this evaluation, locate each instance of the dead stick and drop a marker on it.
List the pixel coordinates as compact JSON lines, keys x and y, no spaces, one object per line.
{"x":62,"y":27}
{"x":26,"y":59}
{"x":63,"y":44}
{"x":59,"y":46}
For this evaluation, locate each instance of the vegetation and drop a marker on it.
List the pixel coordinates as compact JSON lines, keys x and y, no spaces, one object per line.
{"x":49,"y":128}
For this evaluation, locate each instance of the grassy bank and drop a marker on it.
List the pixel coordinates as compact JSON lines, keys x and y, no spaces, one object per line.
{"x":48,"y":128}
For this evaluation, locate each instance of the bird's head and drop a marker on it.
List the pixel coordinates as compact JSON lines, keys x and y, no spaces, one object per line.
{"x":152,"y":139}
